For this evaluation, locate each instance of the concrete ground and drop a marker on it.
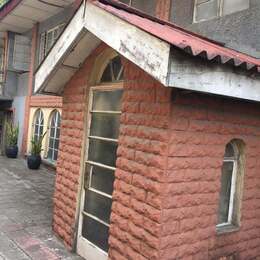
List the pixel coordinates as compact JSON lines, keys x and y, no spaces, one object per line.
{"x":26,"y":214}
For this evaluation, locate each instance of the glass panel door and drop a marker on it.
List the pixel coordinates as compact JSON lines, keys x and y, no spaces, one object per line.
{"x":103,"y":131}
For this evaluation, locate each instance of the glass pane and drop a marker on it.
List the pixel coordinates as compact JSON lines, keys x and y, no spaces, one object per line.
{"x":36,"y":129}
{"x":55,"y":155}
{"x":107,"y":76}
{"x":107,"y":100}
{"x":52,"y":133}
{"x":49,"y":156}
{"x":116,"y":65}
{"x":229,"y":152}
{"x":226,"y":179}
{"x":56,"y":144}
{"x":41,"y":130}
{"x":102,"y":152}
{"x":98,"y":205}
{"x":105,"y":125}
{"x":207,"y":10}
{"x":95,"y":232}
{"x":101,"y":180}
{"x":51,"y":143}
{"x":231,"y":6}
{"x":58,"y":133}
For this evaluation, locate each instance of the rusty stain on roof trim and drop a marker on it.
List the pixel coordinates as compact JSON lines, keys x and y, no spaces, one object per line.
{"x":185,"y":40}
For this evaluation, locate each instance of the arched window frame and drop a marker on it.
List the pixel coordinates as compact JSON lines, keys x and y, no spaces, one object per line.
{"x":116,"y":76}
{"x":236,"y":186}
{"x":53,"y":137}
{"x":38,"y":124}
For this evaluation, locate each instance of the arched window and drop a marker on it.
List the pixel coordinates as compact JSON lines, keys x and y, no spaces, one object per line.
{"x":113,"y":72}
{"x":54,"y":136}
{"x":231,"y":185}
{"x":38,"y":124}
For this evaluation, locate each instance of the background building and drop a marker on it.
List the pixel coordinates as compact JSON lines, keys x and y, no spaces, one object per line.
{"x":29,"y":29}
{"x":159,"y":138}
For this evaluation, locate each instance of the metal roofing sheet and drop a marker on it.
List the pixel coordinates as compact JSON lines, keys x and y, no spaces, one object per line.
{"x":189,"y":42}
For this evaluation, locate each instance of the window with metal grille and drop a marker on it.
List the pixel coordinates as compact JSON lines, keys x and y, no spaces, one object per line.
{"x":38,"y":124}
{"x":231,"y":185}
{"x":54,"y":136}
{"x":208,"y":9}
{"x":47,"y":40}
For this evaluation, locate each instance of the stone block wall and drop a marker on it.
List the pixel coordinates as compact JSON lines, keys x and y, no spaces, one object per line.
{"x":170,"y":153}
{"x":200,"y":127}
{"x":136,"y":220}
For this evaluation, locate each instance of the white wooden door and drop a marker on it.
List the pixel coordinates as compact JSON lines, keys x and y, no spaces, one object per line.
{"x":96,"y":197}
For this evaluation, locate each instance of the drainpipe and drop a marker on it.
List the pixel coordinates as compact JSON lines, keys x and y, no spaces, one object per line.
{"x":30,"y":87}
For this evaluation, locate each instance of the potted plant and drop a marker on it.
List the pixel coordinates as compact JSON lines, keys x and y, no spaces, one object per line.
{"x":34,"y":159}
{"x":11,"y":149}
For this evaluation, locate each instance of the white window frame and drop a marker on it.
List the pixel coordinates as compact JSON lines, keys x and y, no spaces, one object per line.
{"x":43,"y":51}
{"x":220,"y":11}
{"x":55,"y":114}
{"x":232,"y":192}
{"x":234,"y":159}
{"x":110,"y":86}
{"x":38,"y":121}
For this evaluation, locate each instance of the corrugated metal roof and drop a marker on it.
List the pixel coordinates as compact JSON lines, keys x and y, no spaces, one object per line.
{"x":189,"y":42}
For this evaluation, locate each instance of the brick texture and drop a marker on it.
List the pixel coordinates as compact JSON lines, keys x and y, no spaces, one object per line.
{"x":167,"y":185}
{"x":46,"y":101}
{"x":136,"y":220}
{"x":70,"y":152}
{"x":200,"y":128}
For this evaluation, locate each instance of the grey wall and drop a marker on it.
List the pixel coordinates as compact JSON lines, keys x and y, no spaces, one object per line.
{"x":19,"y":105}
{"x":10,"y":87}
{"x":239,"y":30}
{"x":62,"y":17}
{"x":19,"y":110}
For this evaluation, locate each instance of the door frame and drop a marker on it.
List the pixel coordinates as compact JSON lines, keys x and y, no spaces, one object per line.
{"x":92,"y":251}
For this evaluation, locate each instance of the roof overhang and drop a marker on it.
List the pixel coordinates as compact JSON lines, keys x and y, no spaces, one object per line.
{"x":20,"y":15}
{"x":87,"y":29}
{"x":143,"y":41}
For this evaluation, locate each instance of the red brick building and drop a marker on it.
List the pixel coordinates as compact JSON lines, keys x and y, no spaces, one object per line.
{"x":159,"y":146}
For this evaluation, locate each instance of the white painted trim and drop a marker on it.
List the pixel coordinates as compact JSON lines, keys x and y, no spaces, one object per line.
{"x":146,"y":51}
{"x":232,"y":192}
{"x":84,"y":247}
{"x":60,"y":48}
{"x":186,"y":72}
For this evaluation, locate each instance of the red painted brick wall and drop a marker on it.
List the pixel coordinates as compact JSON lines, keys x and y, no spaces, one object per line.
{"x":136,"y":220}
{"x":200,"y":128}
{"x":168,"y":171}
{"x":46,"y":101}
{"x":142,"y":150}
{"x":70,"y":152}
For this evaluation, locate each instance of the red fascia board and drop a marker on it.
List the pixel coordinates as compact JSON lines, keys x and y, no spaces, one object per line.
{"x":179,"y":37}
{"x":9,"y":7}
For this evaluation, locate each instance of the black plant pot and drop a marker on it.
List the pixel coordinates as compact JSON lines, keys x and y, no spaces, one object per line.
{"x":34,"y":162}
{"x":11,"y":151}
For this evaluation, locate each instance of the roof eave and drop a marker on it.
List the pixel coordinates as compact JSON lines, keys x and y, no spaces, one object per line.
{"x":8,"y":7}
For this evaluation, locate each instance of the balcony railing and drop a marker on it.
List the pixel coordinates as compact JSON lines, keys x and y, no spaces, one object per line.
{"x":3,"y":3}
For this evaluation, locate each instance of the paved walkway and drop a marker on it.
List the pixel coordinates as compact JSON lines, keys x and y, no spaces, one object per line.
{"x":26,"y":214}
